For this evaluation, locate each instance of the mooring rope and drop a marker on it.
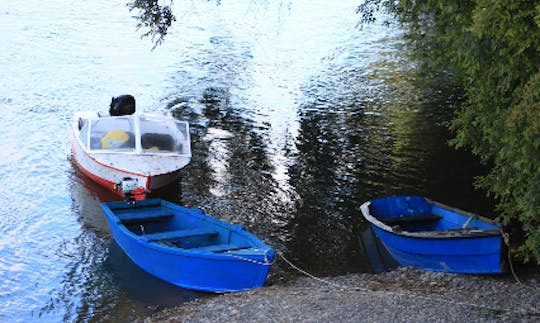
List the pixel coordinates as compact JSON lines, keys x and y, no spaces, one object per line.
{"x":506,"y":239}
{"x":308,"y":274}
{"x":400,"y":294}
{"x":265,"y":263}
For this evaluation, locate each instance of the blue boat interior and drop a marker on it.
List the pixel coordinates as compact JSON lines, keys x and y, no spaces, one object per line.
{"x":416,"y":214}
{"x":159,"y":224}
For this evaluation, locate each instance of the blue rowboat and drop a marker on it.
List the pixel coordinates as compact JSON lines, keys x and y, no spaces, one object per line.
{"x":425,"y":234}
{"x":188,"y":248}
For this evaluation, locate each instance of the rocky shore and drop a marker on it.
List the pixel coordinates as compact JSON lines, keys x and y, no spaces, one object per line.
{"x":404,"y":294}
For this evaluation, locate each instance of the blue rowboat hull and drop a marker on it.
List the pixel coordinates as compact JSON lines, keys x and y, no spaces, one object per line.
{"x":424,"y":234}
{"x":188,"y":248}
{"x":477,"y":255}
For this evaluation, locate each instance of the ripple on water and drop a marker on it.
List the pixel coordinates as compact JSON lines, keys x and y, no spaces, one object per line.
{"x":296,"y":115}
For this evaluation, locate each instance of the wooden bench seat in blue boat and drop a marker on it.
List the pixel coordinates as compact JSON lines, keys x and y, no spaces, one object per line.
{"x":179,"y":234}
{"x":220,"y":247}
{"x":146,"y":215}
{"x":391,"y":220}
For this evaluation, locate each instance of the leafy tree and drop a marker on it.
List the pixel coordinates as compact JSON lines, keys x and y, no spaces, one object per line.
{"x":156,"y":18}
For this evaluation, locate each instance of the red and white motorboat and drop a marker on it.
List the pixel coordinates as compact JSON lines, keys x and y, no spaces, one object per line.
{"x":146,"y":149}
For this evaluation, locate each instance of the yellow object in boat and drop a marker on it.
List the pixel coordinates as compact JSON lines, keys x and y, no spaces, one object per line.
{"x":114,"y":139}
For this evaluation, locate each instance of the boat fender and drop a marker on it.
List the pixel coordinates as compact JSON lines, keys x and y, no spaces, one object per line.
{"x":122,"y":105}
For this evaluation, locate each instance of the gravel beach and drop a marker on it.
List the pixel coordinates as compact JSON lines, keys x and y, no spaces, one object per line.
{"x":404,"y":294}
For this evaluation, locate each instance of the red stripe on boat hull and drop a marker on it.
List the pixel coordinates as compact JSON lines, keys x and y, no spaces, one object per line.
{"x":148,"y":182}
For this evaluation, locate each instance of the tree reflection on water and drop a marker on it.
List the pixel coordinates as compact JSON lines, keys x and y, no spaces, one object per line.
{"x":383,"y":133}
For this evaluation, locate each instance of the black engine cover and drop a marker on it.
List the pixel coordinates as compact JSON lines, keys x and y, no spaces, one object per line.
{"x":122,"y":105}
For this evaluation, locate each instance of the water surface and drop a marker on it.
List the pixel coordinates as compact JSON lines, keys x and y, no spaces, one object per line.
{"x":297,"y":118}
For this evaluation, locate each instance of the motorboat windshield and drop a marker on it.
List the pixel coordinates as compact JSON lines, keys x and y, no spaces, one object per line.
{"x":143,"y":134}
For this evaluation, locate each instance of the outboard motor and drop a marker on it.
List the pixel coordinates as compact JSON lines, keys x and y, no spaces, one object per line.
{"x":130,"y":189}
{"x":122,"y":105}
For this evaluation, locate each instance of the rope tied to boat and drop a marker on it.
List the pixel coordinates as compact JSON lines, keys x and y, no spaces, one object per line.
{"x":406,"y":295}
{"x":280,"y":254}
{"x":261,"y":263}
{"x":506,"y":239}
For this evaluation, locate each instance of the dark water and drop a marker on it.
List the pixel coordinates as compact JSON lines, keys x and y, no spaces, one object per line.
{"x":297,"y":118}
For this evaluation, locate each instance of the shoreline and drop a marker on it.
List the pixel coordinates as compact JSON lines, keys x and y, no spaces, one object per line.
{"x":404,"y":294}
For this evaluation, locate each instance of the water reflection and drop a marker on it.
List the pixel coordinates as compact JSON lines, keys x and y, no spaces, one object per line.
{"x":354,"y":146}
{"x":100,"y":278}
{"x":296,"y":117}
{"x":150,"y":292}
{"x":82,"y":286}
{"x":229,"y":163}
{"x":382,"y":134}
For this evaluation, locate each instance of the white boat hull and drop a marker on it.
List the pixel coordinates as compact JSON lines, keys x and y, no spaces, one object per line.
{"x":152,"y":171}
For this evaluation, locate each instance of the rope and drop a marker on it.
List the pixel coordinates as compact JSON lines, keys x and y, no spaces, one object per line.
{"x":506,"y":238}
{"x":308,"y":274}
{"x":399,"y":294}
{"x":265,"y":263}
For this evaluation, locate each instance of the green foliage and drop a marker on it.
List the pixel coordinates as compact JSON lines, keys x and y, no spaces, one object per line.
{"x":515,"y":179}
{"x":492,"y":49}
{"x":156,"y":18}
{"x":502,"y":122}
